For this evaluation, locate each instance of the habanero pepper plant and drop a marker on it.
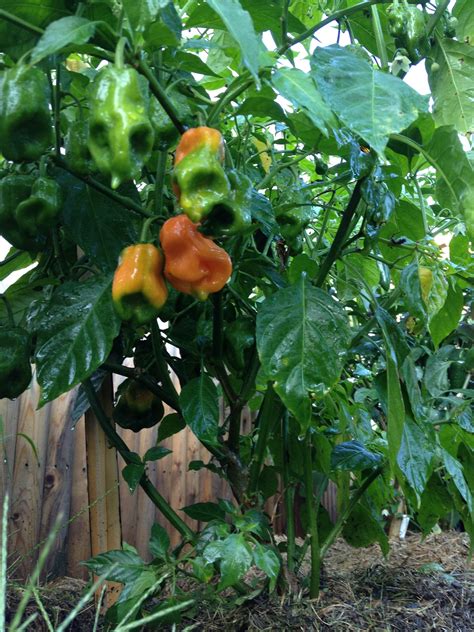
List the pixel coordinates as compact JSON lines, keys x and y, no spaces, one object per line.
{"x":299,"y":216}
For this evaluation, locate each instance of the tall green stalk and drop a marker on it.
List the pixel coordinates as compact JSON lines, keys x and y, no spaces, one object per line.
{"x":288,"y":496}
{"x":312,"y":513}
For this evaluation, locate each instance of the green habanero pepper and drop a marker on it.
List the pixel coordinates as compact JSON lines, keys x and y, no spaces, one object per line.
{"x":78,"y":156}
{"x":137,"y":407}
{"x":15,"y":368}
{"x":121,"y":136}
{"x":231,"y":215}
{"x":26,"y":130}
{"x":15,"y":189}
{"x":292,"y":223}
{"x":407,"y":25}
{"x":239,"y":340}
{"x":40,"y":211}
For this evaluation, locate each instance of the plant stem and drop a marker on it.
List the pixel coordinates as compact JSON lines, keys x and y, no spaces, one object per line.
{"x":312,"y":514}
{"x":241,"y":84}
{"x":436,"y":16}
{"x":288,"y":495}
{"x":269,"y":414}
{"x":379,"y":38}
{"x":341,"y":234}
{"x":117,"y":442}
{"x":166,"y":380}
{"x":160,"y":181}
{"x":19,"y":22}
{"x":335,"y":531}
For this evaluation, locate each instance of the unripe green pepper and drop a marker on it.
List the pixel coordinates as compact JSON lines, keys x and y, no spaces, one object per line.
{"x":407,"y":25}
{"x":15,"y":368}
{"x":14,"y":190}
{"x":137,"y":407}
{"x":231,"y":215}
{"x":25,"y":119}
{"x":292,"y":223}
{"x":121,"y":136}
{"x":78,"y":156}
{"x":239,"y":339}
{"x":40,"y":211}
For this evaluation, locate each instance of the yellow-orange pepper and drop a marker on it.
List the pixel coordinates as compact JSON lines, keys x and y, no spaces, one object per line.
{"x":139,"y":290}
{"x":194,"y":264}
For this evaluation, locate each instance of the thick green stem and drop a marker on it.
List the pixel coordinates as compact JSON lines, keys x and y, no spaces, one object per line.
{"x":241,"y":84}
{"x":160,"y":181}
{"x":379,"y":38}
{"x":436,"y":16}
{"x":341,"y":234}
{"x":9,"y":17}
{"x":312,"y":514}
{"x":288,"y":496}
{"x":150,"y":490}
{"x":336,"y":530}
{"x":270,"y":413}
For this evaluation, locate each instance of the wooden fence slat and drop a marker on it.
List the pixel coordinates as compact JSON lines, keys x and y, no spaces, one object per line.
{"x":9,"y":412}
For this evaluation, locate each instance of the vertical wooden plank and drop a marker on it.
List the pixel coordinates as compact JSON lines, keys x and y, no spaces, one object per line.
{"x":57,"y":482}
{"x":9,"y":413}
{"x":78,"y":537}
{"x":103,"y":487}
{"x":27,"y":488}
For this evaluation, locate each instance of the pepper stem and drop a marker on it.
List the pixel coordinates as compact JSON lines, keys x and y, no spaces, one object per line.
{"x":119,"y":52}
{"x":145,"y":228}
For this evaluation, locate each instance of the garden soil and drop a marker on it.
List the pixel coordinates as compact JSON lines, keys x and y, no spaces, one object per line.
{"x":422,"y":585}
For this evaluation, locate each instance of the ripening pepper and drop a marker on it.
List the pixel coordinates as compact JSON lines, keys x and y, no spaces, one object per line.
{"x":231,"y":215}
{"x":137,"y":407}
{"x":40,"y":211}
{"x":292,"y":223}
{"x":194,"y":264}
{"x":15,"y":368}
{"x":14,"y":190}
{"x":239,"y":339}
{"x":425,"y":277}
{"x":199,"y":178}
{"x":26,"y":130}
{"x":407,"y":25}
{"x":139,"y":290}
{"x":165,"y":131}
{"x":78,"y":156}
{"x":121,"y":136}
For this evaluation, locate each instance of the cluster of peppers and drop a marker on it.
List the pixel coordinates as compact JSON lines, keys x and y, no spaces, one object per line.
{"x":407,"y":25}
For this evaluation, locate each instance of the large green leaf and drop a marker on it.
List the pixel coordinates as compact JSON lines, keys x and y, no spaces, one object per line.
{"x":200,"y":407}
{"x":435,"y":503}
{"x":455,"y":470}
{"x":353,"y":455}
{"x":406,"y":223}
{"x":449,"y":316}
{"x":75,"y":331}
{"x":59,"y":34}
{"x":363,"y":529}
{"x":415,"y":456}
{"x":373,"y":104}
{"x":464,"y":11}
{"x":122,"y":566}
{"x":302,"y":335}
{"x":239,"y":24}
{"x":235,"y":558}
{"x":452,"y":84}
{"x":143,"y":13}
{"x":99,"y":225}
{"x":300,"y":90}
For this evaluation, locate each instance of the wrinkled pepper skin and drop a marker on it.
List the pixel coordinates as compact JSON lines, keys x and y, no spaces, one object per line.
{"x":121,"y":136}
{"x":166,"y":133}
{"x":26,"y":131}
{"x":199,"y":178}
{"x":139,"y":290}
{"x":137,"y":407}
{"x":15,"y":368}
{"x":239,"y":339}
{"x":194,"y":264}
{"x":14,"y":190}
{"x":78,"y":156}
{"x":292,"y":224}
{"x":407,"y":26}
{"x":40,"y":211}
{"x":232,"y":214}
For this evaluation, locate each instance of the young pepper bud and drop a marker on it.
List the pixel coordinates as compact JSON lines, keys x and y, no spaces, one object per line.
{"x":139,"y":290}
{"x":194,"y":264}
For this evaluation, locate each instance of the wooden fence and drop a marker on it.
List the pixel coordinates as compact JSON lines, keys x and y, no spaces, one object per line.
{"x":52,"y":467}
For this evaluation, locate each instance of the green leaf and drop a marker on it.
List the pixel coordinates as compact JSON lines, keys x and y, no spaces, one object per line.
{"x":263,"y":107}
{"x":100,"y":226}
{"x":449,"y":316}
{"x":436,"y":371}
{"x":193,"y":63}
{"x":143,"y":13}
{"x":463,"y":10}
{"x":239,"y":24}
{"x":415,"y":456}
{"x":267,"y":560}
{"x":363,"y":529}
{"x":75,"y":335}
{"x":62,"y":33}
{"x":156,"y":453}
{"x":262,"y":212}
{"x":406,"y":223}
{"x":410,"y":286}
{"x":166,"y":30}
{"x":302,"y":335}
{"x":235,"y":558}
{"x":371,"y":103}
{"x":455,"y":470}
{"x":128,"y":566}
{"x":300,"y":90}
{"x":170,"y":425}
{"x":132,"y":474}
{"x":302,"y":263}
{"x":451,"y":84}
{"x":435,"y":503}
{"x":159,"y":542}
{"x":21,"y":261}
{"x":200,"y":406}
{"x":353,"y":455}
{"x":205,"y":512}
